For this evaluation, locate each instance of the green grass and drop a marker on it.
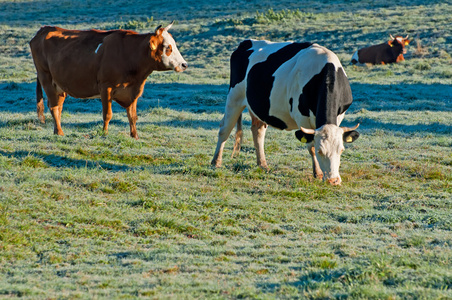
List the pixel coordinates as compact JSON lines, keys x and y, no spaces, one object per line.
{"x":94,"y":216}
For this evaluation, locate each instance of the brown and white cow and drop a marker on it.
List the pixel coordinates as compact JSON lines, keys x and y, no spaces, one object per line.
{"x":385,"y":53}
{"x":111,"y":65}
{"x":290,"y":86}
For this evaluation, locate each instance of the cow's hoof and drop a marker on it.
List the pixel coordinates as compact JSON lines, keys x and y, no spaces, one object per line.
{"x":216,"y":164}
{"x":264,"y":167}
{"x":318,"y":176}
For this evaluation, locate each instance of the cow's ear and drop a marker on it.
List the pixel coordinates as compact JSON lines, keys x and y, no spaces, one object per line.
{"x":390,"y":43}
{"x":154,"y":43}
{"x":304,"y":137}
{"x":350,"y":136}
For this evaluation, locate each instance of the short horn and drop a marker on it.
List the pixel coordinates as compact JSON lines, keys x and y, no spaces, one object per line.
{"x":307,"y":130}
{"x":347,"y":129}
{"x":169,"y":26}
{"x":390,"y":35}
{"x":406,"y":37}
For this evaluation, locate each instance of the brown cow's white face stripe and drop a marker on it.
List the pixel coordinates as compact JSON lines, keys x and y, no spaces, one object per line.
{"x":171,"y":56}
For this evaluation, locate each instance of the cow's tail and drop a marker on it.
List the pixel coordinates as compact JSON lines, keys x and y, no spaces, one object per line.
{"x":39,"y":101}
{"x":238,"y":137}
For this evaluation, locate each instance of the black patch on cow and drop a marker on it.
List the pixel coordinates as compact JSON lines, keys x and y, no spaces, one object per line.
{"x":239,"y":63}
{"x":291,"y":104}
{"x":300,"y":135}
{"x":260,"y":82}
{"x":327,"y":95}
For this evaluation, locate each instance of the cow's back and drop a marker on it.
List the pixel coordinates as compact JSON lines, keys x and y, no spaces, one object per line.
{"x":261,"y":84}
{"x":372,"y":54}
{"x":71,"y":57}
{"x":50,"y":42}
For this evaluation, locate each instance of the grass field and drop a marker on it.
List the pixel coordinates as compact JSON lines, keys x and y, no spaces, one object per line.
{"x":94,"y":216}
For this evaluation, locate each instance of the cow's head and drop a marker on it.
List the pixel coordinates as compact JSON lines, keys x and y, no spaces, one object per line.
{"x":328,"y":142}
{"x":399,"y":42}
{"x":164,"y":50}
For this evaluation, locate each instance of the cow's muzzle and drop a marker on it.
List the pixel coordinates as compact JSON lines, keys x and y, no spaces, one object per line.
{"x":335,"y":181}
{"x":182,"y":67}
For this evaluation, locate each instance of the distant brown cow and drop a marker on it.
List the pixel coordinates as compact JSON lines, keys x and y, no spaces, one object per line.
{"x":111,"y":65}
{"x":385,"y":53}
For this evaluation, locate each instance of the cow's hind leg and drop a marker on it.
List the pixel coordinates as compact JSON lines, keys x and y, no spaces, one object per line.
{"x":238,"y":137}
{"x":226,"y":125}
{"x":233,"y":112}
{"x":55,"y":100}
{"x":132,"y":115}
{"x":40,"y":102}
{"x":258,"y":128}
{"x":315,"y":164}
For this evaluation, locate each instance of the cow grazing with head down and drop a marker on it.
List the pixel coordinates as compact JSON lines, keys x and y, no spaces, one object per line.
{"x":291,"y":86}
{"x":111,"y":65}
{"x":384,"y":53}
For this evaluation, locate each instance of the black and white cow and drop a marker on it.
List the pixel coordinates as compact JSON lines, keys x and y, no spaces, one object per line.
{"x":290,"y":86}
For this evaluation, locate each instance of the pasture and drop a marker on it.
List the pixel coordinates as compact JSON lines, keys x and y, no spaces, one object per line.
{"x":93,"y":216}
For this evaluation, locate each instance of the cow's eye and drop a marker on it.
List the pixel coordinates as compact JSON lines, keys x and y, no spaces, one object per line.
{"x":168,"y":50}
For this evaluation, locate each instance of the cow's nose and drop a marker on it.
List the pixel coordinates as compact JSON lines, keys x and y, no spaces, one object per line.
{"x":335,"y":181}
{"x":184,"y":65}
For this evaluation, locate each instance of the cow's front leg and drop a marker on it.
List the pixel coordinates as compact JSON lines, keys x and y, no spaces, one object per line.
{"x":106,"y":107}
{"x":258,"y":128}
{"x":315,"y":164}
{"x":132,"y":115}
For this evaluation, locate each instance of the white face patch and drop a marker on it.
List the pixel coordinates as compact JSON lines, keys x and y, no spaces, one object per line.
{"x":328,"y":149}
{"x":175,"y":60}
{"x":97,"y":49}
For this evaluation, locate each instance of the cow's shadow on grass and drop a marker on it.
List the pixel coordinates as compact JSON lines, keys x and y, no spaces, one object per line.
{"x":305,"y":281}
{"x":372,"y":124}
{"x":207,"y":99}
{"x":58,"y":161}
{"x":402,"y":96}
{"x":36,"y":159}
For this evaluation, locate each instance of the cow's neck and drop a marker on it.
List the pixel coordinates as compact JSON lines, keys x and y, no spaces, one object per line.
{"x":141,"y":62}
